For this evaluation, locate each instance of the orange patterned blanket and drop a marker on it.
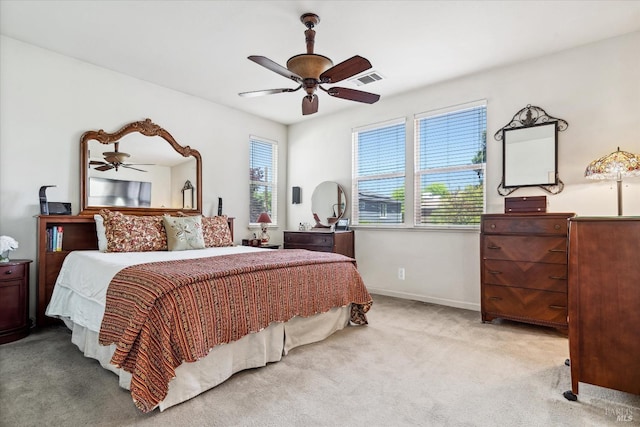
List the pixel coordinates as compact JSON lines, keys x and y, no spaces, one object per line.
{"x":163,"y":313}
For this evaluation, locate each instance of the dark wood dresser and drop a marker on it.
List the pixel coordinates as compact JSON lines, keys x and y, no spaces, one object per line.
{"x":14,"y":300}
{"x":340,"y":242}
{"x":524,"y":268}
{"x":604,"y":303}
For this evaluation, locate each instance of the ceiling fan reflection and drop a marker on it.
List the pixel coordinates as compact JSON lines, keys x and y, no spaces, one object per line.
{"x":115,"y":160}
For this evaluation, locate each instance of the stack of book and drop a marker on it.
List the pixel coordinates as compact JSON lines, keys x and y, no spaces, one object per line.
{"x":54,"y":238}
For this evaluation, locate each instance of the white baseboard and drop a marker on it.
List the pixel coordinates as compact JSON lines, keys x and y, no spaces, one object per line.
{"x":440,"y":301}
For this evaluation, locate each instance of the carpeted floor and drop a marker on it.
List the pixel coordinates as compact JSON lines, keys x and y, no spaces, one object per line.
{"x":414,"y":364}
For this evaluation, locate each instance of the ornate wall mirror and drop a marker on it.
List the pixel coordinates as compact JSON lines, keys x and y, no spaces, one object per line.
{"x":138,"y":169}
{"x":530,"y":151}
{"x":328,"y":204}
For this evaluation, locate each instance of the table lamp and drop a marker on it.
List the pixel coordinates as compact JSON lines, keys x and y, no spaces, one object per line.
{"x":264,"y":219}
{"x":614,"y":166}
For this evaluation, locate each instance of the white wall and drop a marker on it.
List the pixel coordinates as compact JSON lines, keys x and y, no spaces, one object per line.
{"x":595,"y":88}
{"x":48,"y":100}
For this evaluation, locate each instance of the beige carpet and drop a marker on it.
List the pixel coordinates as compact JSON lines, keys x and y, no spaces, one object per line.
{"x":414,"y":364}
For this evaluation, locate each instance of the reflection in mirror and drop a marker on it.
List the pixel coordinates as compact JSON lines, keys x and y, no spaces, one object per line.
{"x":187,"y":195}
{"x":530,"y":156}
{"x":140,"y":168}
{"x":328,"y":204}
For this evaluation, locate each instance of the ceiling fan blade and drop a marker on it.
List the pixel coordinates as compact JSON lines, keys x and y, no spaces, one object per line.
{"x":267,"y":92}
{"x":104,"y":168}
{"x":309,"y":104}
{"x":353,"y":95}
{"x":276,"y":68}
{"x":345,"y":69}
{"x":95,"y":162}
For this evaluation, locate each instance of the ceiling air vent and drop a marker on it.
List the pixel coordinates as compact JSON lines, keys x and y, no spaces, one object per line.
{"x":364,"y":79}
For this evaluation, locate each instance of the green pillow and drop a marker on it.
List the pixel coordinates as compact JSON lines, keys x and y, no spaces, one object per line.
{"x":184,"y":232}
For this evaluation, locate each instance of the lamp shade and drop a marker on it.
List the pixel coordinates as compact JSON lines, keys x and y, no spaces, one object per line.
{"x":264,"y":218}
{"x":614,"y":166}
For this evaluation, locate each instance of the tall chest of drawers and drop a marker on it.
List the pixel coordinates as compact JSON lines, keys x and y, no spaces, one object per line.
{"x":524,"y":268}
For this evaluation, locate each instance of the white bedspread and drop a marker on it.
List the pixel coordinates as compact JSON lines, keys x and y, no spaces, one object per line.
{"x":80,"y":291}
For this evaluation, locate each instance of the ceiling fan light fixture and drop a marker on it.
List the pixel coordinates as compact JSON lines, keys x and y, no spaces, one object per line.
{"x":309,"y":65}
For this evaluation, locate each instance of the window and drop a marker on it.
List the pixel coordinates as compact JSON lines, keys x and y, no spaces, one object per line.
{"x":263,"y":173}
{"x":450,"y":158}
{"x":379,"y":174}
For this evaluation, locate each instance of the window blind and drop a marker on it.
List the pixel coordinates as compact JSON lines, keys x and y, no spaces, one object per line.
{"x":450,"y":159}
{"x":379,"y":173}
{"x":263,"y":173}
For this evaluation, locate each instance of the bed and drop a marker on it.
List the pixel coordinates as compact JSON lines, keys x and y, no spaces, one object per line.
{"x":173,"y":324}
{"x":161,"y":297}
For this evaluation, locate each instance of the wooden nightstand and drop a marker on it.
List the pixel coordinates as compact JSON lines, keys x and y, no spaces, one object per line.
{"x":14,"y":300}
{"x":340,"y":242}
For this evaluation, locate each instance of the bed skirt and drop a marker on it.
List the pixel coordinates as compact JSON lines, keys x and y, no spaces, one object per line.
{"x":251,"y":351}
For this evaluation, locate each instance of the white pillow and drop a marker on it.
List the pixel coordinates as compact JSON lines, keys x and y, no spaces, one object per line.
{"x":100,"y":231}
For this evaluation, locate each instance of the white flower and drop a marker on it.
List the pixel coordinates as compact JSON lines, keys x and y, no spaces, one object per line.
{"x":7,"y":244}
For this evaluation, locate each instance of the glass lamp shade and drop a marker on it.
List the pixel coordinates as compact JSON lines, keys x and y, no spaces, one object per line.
{"x":614,"y":166}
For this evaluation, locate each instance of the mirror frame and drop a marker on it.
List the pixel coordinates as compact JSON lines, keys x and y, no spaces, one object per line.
{"x":341,"y":211}
{"x":528,"y":117}
{"x":146,"y":128}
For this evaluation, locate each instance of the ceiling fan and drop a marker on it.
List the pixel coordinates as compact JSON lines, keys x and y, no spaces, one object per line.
{"x":114,"y":160}
{"x":311,"y":70}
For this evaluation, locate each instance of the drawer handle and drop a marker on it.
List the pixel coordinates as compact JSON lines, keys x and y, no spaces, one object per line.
{"x":494,"y":247}
{"x":495,"y":298}
{"x":557,"y":307}
{"x":558,"y":250}
{"x":495,"y":272}
{"x":557,"y":226}
{"x":557,"y":277}
{"x":8,"y":272}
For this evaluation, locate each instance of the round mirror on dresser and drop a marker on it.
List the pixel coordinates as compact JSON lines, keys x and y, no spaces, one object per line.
{"x":328,"y":204}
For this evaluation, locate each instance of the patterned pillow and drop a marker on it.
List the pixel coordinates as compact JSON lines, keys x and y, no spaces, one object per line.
{"x":184,"y":232}
{"x":132,"y":233}
{"x":215,"y":230}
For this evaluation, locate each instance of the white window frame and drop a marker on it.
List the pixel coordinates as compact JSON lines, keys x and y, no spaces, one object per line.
{"x":272,"y":182}
{"x":418,"y":173}
{"x":355,"y":179}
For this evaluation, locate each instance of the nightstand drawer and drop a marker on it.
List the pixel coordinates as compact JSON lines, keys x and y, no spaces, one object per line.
{"x":533,"y":305}
{"x":11,"y":271}
{"x":515,"y":225}
{"x":311,"y":239}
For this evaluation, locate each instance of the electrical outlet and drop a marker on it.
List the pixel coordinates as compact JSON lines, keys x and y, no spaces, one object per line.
{"x":401,"y":273}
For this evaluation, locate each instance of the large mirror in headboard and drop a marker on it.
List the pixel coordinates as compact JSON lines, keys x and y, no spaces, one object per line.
{"x":139,"y":169}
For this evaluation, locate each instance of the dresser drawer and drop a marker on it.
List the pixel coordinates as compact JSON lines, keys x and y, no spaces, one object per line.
{"x":313,"y":239}
{"x":525,"y":248}
{"x":530,"y":275}
{"x":518,"y":304}
{"x":528,"y":224}
{"x":11,"y":272}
